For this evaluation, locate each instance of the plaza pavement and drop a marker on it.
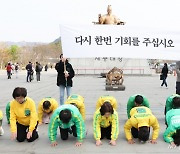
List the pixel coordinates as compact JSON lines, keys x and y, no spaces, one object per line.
{"x":91,"y":87}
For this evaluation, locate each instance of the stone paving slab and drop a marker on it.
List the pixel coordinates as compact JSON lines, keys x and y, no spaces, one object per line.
{"x":91,"y":87}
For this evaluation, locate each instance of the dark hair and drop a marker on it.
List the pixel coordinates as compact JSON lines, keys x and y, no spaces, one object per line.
{"x":19,"y":91}
{"x":139,"y":99}
{"x":61,"y":55}
{"x":176,"y":137}
{"x":46,"y":105}
{"x":176,"y":102}
{"x":65,"y":116}
{"x":165,"y":64}
{"x":106,"y":107}
{"x":143,"y":133}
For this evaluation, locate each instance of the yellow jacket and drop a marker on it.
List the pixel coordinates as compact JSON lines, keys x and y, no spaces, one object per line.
{"x":141,"y":116}
{"x":79,"y":101}
{"x":24,"y":114}
{"x":1,"y":115}
{"x":53,"y":107}
{"x":108,"y":98}
{"x":101,"y":121}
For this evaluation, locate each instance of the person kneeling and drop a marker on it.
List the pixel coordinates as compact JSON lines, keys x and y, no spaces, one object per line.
{"x":106,"y":124}
{"x":69,"y":120}
{"x":172,"y":133}
{"x":46,"y":107}
{"x":138,"y":126}
{"x":23,"y":116}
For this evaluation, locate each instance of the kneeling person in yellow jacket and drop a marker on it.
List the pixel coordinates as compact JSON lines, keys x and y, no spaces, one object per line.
{"x":78,"y":101}
{"x":23,"y":117}
{"x":45,"y":109}
{"x":106,"y":124}
{"x":1,"y":118}
{"x":139,"y":125}
{"x":106,"y":98}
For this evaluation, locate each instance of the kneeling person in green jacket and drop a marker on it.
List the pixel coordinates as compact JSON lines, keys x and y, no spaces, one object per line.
{"x":69,"y":120}
{"x":136,"y":100}
{"x":172,"y":133}
{"x":169,"y":103}
{"x":106,"y":124}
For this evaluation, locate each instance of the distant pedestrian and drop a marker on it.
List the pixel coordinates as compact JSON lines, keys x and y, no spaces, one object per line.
{"x":64,"y":77}
{"x":16,"y":69}
{"x":178,"y":77}
{"x":38,"y":70}
{"x":9,"y":70}
{"x":29,"y":72}
{"x":46,"y":67}
{"x":164,"y":73}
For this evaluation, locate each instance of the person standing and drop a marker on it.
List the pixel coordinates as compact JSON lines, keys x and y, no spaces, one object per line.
{"x":46,"y":67}
{"x":164,"y":73}
{"x":9,"y":69}
{"x":38,"y":70}
{"x":29,"y":72}
{"x":64,"y":77}
{"x":178,"y":78}
{"x":16,"y":69}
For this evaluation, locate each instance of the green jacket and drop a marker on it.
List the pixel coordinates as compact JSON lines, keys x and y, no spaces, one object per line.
{"x":76,"y":120}
{"x":173,"y":121}
{"x":169,"y":104}
{"x":131,"y":103}
{"x":8,"y":112}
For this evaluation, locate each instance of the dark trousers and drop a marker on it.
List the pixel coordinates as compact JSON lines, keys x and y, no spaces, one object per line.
{"x":134,"y":132}
{"x":64,"y":132}
{"x":28,"y":79}
{"x":106,"y":132}
{"x":178,"y":88}
{"x":22,"y":133}
{"x":9,"y":74}
{"x":38,"y":76}
{"x":164,"y":81}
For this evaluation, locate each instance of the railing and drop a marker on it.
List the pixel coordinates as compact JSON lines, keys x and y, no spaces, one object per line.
{"x":94,"y":71}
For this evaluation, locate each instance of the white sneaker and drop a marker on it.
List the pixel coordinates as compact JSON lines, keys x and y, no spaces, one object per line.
{"x":1,"y":131}
{"x":166,"y":87}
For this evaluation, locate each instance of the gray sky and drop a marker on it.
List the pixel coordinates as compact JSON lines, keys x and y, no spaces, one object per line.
{"x":39,"y":20}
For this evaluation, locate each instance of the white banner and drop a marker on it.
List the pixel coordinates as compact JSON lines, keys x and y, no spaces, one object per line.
{"x":81,"y":41}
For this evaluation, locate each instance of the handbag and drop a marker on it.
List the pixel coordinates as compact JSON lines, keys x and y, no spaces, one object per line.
{"x":161,"y":77}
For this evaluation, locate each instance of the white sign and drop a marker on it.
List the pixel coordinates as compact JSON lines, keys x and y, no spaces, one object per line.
{"x":82,"y":41}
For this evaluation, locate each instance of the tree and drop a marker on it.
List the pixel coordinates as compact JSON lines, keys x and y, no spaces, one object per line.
{"x":13,"y":51}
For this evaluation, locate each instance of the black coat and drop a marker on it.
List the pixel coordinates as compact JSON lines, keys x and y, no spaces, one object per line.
{"x":61,"y":76}
{"x":164,"y":71}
